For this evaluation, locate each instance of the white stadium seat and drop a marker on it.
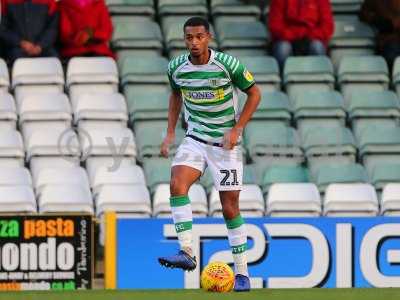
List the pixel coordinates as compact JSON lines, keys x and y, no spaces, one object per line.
{"x":350,"y":200}
{"x":65,"y":198}
{"x":130,"y":199}
{"x":293,"y":200}
{"x":53,"y":140}
{"x":42,"y":71}
{"x":390,"y":205}
{"x":93,"y":163}
{"x":61,"y":176}
{"x":107,"y":141}
{"x":4,"y":76}
{"x":129,"y":175}
{"x":37,"y":75}
{"x":8,"y":110}
{"x":44,"y":107}
{"x":11,"y":144}
{"x":15,"y":176}
{"x":38,"y":164}
{"x":161,"y":205}
{"x":92,"y":74}
{"x":17,"y":199}
{"x":251,"y":202}
{"x":12,"y":162}
{"x":101,"y":124}
{"x":98,"y":106}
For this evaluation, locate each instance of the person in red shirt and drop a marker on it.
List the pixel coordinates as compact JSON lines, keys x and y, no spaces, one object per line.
{"x":85,"y":28}
{"x":300,"y":27}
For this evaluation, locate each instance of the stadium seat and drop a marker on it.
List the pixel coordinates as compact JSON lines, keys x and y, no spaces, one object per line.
{"x":318,"y":105}
{"x":346,"y":6}
{"x":137,"y":8}
{"x":61,"y":176}
{"x":38,"y":164}
{"x":125,"y":175}
{"x":137,"y":34}
{"x":351,"y":38}
{"x":283,"y":174}
{"x":340,"y":173}
{"x":4,"y":76}
{"x":390,"y":203}
{"x":362,"y":73}
{"x":17,"y":199}
{"x":8,"y":110}
{"x":91,"y":74}
{"x":368,"y":107}
{"x":11,"y":145}
{"x":43,"y":75}
{"x":44,"y":107}
{"x":157,"y":171}
{"x":239,"y":35}
{"x":271,"y":139}
{"x":250,"y":201}
{"x":265,"y":70}
{"x":69,"y":198}
{"x":396,"y":76}
{"x":15,"y":176}
{"x":182,"y":7}
{"x":350,"y":200}
{"x":379,"y":141}
{"x":111,"y":163}
{"x":273,"y":106}
{"x":50,"y":139}
{"x":144,"y":70}
{"x":99,"y":106}
{"x":308,"y":72}
{"x":107,"y":142}
{"x":293,"y":200}
{"x":132,"y":200}
{"x":147,"y":103}
{"x":235,"y":9}
{"x":328,"y":141}
{"x":149,"y":136}
{"x":383,"y":173}
{"x":197,"y":196}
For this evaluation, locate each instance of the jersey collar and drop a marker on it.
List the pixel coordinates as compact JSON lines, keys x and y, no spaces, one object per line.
{"x":210,"y":60}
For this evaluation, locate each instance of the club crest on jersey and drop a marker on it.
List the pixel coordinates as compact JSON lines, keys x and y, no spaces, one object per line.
{"x":214,"y":82}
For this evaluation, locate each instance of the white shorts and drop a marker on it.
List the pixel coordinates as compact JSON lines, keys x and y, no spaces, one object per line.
{"x":226,"y":166}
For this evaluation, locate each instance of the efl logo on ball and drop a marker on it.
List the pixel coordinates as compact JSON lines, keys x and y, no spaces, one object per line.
{"x":217,"y":277}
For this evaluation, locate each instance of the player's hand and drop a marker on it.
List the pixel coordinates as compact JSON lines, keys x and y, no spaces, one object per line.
{"x":168,"y":140}
{"x":231,"y":138}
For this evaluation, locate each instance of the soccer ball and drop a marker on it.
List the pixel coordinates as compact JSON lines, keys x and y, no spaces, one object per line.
{"x":217,"y":277}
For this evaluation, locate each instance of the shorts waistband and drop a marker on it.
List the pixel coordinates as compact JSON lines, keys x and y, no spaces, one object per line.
{"x":221,"y":145}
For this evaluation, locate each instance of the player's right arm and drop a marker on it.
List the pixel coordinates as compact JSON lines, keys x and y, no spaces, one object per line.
{"x":174,"y":110}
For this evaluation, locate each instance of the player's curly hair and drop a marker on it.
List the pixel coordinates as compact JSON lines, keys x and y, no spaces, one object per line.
{"x":197,"y":21}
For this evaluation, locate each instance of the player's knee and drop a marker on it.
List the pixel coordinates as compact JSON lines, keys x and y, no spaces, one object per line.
{"x":177,"y":188}
{"x":230,"y":208}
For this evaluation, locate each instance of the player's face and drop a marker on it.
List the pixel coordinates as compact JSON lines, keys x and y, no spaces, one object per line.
{"x":197,"y":39}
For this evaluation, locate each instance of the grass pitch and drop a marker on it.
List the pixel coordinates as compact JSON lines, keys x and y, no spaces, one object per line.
{"x":264,"y":294}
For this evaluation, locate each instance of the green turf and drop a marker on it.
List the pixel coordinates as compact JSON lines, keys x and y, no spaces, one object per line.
{"x":266,"y":294}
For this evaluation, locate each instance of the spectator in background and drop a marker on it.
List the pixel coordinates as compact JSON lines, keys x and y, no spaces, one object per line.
{"x":299,"y":27}
{"x":29,"y":28}
{"x":85,"y":28}
{"x":384,"y":15}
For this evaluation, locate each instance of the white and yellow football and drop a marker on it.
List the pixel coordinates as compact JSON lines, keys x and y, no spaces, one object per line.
{"x":217,"y":277}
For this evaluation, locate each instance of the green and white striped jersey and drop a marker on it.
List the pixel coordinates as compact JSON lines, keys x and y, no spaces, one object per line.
{"x":209,"y":93}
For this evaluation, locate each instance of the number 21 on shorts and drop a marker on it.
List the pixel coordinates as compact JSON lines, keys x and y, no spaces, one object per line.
{"x":230,"y":178}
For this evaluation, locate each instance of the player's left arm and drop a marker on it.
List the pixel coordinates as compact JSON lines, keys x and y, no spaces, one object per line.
{"x":243,"y":79}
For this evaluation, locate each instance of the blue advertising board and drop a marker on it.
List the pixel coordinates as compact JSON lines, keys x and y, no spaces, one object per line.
{"x":283,"y":252}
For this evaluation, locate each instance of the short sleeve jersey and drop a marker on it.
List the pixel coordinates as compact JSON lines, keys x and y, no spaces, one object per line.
{"x":209,"y":93}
